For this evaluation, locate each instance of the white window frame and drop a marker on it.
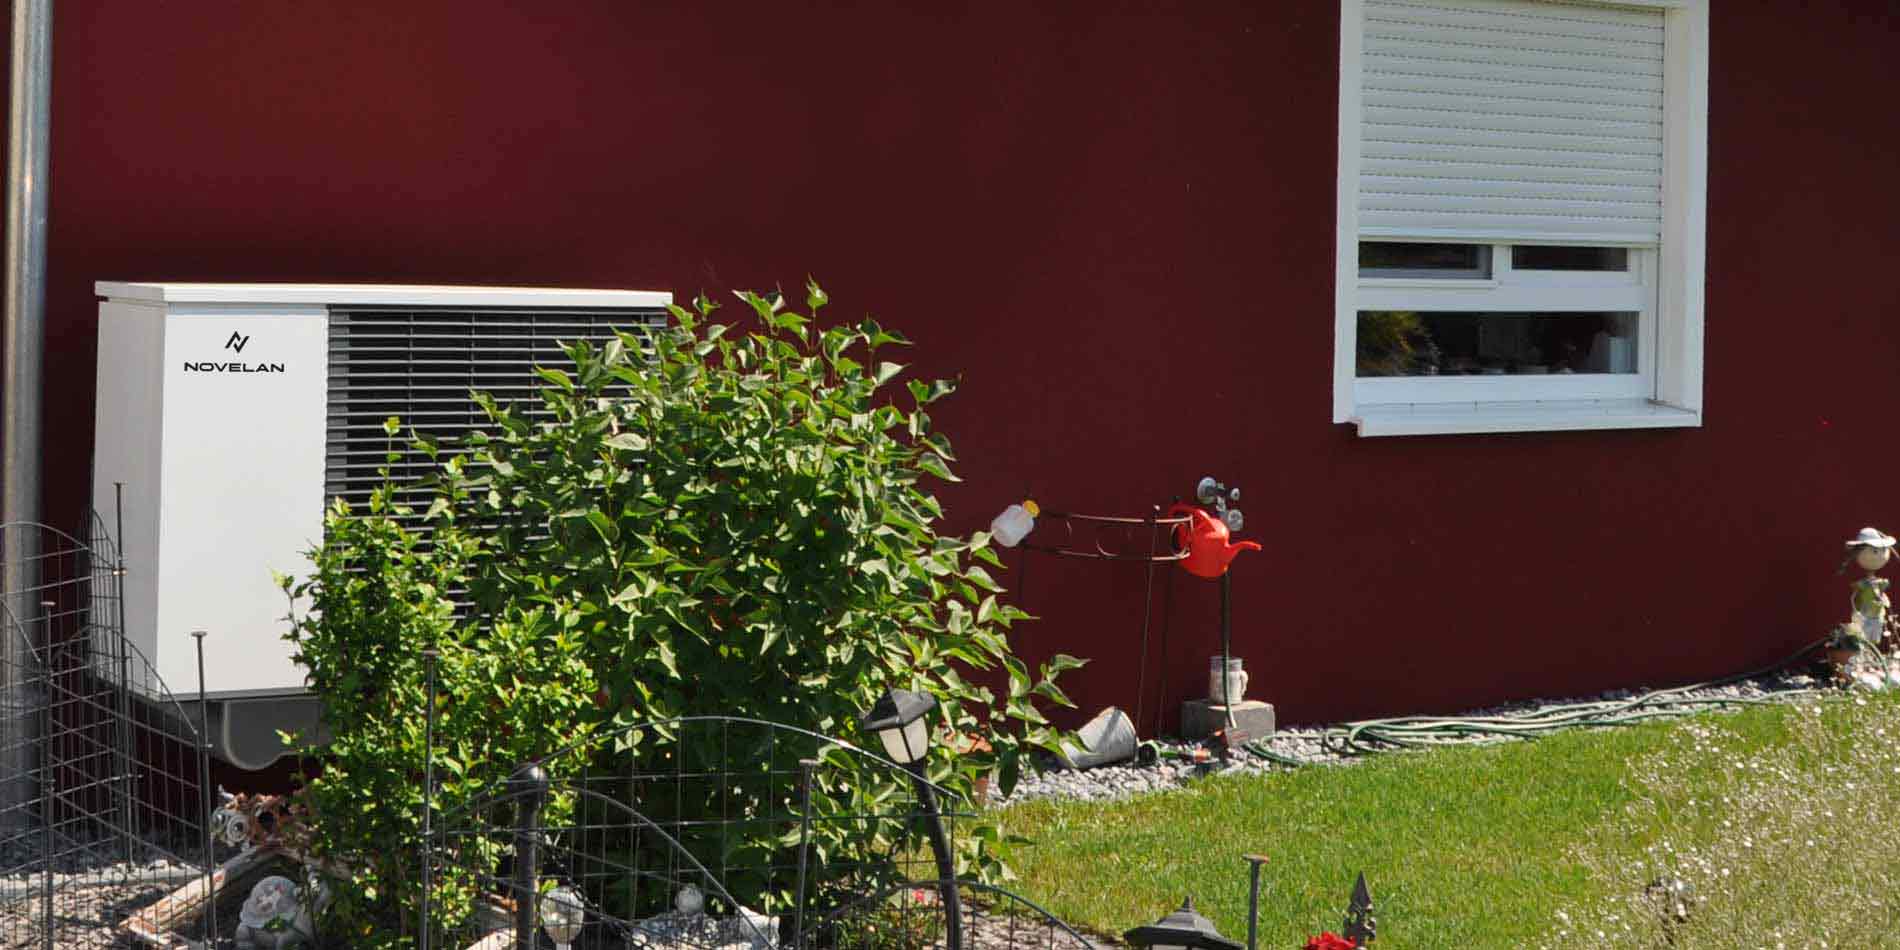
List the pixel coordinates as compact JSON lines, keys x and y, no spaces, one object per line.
{"x":1666,"y":280}
{"x":1508,"y":289}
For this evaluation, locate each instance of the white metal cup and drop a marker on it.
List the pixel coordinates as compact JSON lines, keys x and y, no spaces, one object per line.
{"x":1235,"y":687}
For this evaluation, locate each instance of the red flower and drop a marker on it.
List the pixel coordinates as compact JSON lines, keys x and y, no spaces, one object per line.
{"x":1330,"y":941}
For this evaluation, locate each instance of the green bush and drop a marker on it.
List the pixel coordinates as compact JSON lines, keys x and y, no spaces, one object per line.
{"x":697,"y":520}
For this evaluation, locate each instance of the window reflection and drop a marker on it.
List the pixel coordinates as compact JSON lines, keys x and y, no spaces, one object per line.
{"x":1546,"y":257}
{"x":1393,"y":259}
{"x":1408,"y":343}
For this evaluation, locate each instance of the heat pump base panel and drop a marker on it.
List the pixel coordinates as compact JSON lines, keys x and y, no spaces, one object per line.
{"x":244,"y":732}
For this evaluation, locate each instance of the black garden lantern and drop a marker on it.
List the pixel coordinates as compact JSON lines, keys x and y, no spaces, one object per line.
{"x":1185,"y":929}
{"x":897,"y":719}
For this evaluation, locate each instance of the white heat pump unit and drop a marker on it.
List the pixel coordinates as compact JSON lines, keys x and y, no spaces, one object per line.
{"x":232,"y":413}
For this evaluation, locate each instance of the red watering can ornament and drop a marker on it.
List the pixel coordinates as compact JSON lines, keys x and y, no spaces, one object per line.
{"x":1204,"y":538}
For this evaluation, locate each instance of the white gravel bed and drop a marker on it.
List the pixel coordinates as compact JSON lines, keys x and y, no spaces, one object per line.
{"x":1307,"y":744}
{"x":91,"y":893}
{"x":88,"y":907}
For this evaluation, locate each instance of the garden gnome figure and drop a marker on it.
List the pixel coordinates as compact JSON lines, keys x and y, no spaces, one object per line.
{"x":1871,"y":550}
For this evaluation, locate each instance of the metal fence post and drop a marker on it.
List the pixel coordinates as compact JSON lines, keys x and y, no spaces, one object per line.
{"x":127,"y":756}
{"x":428,"y":797}
{"x":205,"y":796}
{"x":805,"y":769}
{"x":46,"y":783}
{"x":529,"y":786}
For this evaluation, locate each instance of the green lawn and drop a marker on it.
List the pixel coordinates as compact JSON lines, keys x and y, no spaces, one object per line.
{"x":1483,"y":847}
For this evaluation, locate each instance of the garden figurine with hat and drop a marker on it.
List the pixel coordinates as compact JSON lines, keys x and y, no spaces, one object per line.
{"x":1870,"y":550}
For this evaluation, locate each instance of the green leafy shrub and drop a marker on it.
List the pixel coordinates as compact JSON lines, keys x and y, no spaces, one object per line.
{"x":695,"y":521}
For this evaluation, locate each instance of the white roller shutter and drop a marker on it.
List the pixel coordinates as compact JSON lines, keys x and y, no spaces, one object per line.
{"x":1511,"y":120}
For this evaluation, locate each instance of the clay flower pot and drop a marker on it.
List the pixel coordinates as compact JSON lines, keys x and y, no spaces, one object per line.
{"x":968,"y":743}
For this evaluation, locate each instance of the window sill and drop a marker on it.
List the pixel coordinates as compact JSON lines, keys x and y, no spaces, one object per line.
{"x":1456,"y":418}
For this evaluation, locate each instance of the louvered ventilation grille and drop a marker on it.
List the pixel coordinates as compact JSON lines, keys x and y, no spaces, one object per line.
{"x":421,"y":364}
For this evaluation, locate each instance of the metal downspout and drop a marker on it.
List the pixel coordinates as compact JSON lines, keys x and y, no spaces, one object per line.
{"x":22,"y":349}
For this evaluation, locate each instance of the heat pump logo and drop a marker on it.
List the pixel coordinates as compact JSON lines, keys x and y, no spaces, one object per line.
{"x":235,"y":344}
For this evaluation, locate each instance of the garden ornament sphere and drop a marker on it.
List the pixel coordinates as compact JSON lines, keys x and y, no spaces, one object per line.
{"x":689,"y":900}
{"x":269,"y":918}
{"x":562,"y":915}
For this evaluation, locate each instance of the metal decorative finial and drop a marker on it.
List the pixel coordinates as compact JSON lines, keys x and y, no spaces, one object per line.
{"x":1359,"y":926}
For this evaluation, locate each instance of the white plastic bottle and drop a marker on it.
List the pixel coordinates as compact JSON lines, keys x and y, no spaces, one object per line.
{"x":1014,"y":524}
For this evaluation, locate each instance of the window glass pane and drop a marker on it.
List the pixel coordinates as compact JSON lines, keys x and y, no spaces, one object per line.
{"x":1391,"y":259}
{"x":1407,"y":343}
{"x":1549,"y":257}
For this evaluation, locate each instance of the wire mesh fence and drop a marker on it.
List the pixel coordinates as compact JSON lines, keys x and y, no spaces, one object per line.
{"x":704,"y":832}
{"x":699,"y":832}
{"x":103,"y":797}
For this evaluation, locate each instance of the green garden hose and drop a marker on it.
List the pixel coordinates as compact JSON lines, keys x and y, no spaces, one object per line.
{"x":1369,"y":736}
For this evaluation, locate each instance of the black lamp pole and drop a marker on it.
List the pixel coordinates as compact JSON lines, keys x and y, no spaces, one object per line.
{"x":946,"y":864}
{"x":897,"y":721}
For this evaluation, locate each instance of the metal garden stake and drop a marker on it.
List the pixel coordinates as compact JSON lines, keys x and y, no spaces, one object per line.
{"x":1254,"y":861}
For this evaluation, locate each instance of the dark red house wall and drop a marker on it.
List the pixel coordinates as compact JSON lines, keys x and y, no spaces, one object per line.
{"x":1115,"y":223}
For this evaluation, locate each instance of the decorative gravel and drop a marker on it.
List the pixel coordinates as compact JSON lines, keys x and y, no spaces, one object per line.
{"x":985,"y":932}
{"x":1307,"y":745}
{"x":91,"y":893}
{"x":89,"y":905}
